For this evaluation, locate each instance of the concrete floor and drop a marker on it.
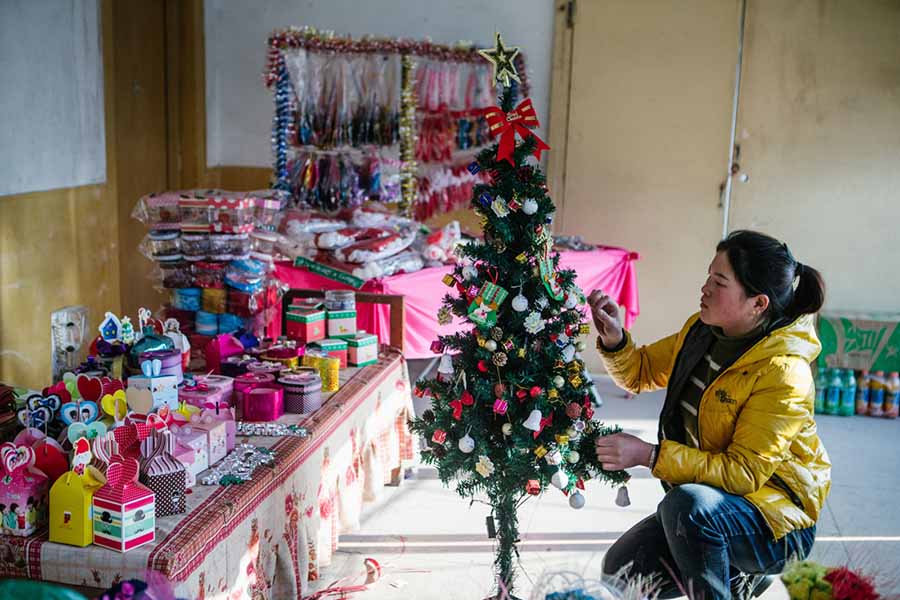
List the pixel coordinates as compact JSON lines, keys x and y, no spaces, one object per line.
{"x":430,"y":543}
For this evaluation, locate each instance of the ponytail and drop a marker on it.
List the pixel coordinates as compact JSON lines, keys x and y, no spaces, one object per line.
{"x":810,"y":293}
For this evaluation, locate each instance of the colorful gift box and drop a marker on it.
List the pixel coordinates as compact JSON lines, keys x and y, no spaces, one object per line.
{"x":224,"y":383}
{"x":197,"y":441}
{"x":246,"y":382}
{"x":163,"y":388}
{"x":334,"y":347}
{"x":124,"y":510}
{"x":163,"y":474}
{"x":200,"y":394}
{"x":362,"y":349}
{"x":170,"y":360}
{"x":235,"y":365}
{"x":226,"y":416}
{"x":216,"y":437}
{"x":302,"y":391}
{"x":286,"y":356}
{"x":219,"y":348}
{"x":341,"y":323}
{"x":185,"y":455}
{"x":306,"y":325}
{"x":70,"y":507}
{"x":263,"y":403}
{"x":23,"y":491}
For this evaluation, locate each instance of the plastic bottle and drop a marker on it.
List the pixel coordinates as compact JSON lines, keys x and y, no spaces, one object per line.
{"x":892,"y":396}
{"x":862,"y":392}
{"x":821,"y":388}
{"x":847,"y":406}
{"x":876,"y":394}
{"x":833,"y":394}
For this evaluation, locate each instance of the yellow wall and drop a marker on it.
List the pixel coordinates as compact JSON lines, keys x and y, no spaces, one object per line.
{"x":819,"y":130}
{"x":57,"y":248}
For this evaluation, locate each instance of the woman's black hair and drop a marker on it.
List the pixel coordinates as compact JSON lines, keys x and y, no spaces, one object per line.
{"x":763,"y":265}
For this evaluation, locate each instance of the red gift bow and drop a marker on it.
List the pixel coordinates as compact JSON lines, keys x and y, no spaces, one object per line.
{"x":198,"y":387}
{"x":544,"y":422}
{"x":505,"y":126}
{"x":457,"y":405}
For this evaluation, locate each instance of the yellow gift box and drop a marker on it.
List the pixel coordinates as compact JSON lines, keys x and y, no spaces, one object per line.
{"x":71,"y":520}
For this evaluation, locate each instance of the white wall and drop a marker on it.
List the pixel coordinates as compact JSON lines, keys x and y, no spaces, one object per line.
{"x":238,"y":105}
{"x":51,"y":99}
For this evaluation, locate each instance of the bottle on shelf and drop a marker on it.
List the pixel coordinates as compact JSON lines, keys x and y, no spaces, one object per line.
{"x":877,"y":385}
{"x":847,"y":405}
{"x":821,"y":389}
{"x":862,"y":392}
{"x":891,"y":405}
{"x":833,"y":394}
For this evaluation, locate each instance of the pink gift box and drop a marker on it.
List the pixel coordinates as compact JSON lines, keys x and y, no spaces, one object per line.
{"x":263,"y":403}
{"x":216,"y":437}
{"x":247,"y":381}
{"x":202,"y":394}
{"x":197,"y":441}
{"x":23,"y":491}
{"x":185,"y":455}
{"x":225,"y":415}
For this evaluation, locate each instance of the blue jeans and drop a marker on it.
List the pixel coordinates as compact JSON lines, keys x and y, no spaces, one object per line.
{"x":705,"y":537}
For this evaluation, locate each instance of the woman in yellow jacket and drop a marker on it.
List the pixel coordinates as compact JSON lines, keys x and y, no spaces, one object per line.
{"x":744,"y":471}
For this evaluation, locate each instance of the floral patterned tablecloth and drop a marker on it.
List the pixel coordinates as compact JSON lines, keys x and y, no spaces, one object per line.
{"x":269,"y":537}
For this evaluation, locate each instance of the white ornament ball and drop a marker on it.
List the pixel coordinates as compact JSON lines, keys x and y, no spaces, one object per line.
{"x":466,"y":444}
{"x":573,"y":456}
{"x":559,"y":480}
{"x":529,"y":206}
{"x":554,"y":458}
{"x":558,"y":382}
{"x":507,"y":429}
{"x":576,"y":500}
{"x":469,"y":272}
{"x":490,"y":345}
{"x":571,"y":301}
{"x":580,"y":345}
{"x":520,"y":303}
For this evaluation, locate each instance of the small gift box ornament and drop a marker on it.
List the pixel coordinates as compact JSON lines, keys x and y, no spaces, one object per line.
{"x":163,"y":388}
{"x":483,"y":309}
{"x":124,"y":510}
{"x":71,"y":498}
{"x":163,"y":474}
{"x":23,"y":491}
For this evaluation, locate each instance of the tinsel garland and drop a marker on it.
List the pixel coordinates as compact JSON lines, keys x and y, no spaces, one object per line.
{"x":408,"y":164}
{"x":311,"y":38}
{"x":282,"y":121}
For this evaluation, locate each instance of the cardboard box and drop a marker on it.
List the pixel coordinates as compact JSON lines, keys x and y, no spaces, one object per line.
{"x":163,"y":389}
{"x":855,"y":340}
{"x":124,"y":510}
{"x":362,"y":349}
{"x":306,"y":325}
{"x":341,"y":323}
{"x":216,"y":438}
{"x":71,"y":499}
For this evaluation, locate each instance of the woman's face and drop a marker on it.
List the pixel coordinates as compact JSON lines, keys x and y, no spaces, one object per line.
{"x":723,"y":301}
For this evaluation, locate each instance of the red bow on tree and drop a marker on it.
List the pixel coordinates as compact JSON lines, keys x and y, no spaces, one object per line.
{"x":457,"y":405}
{"x":506,"y":125}
{"x":548,"y":420}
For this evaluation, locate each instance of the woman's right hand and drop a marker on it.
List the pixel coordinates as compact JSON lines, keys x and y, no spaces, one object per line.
{"x":605,"y":313}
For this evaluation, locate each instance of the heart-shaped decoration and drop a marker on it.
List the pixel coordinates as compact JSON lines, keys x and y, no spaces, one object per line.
{"x":115,"y":404}
{"x":37,"y":418}
{"x":122,"y":471}
{"x":70,"y":380}
{"x":105,"y":447}
{"x":90,"y":388}
{"x":14,"y":457}
{"x":140,"y":399}
{"x":91,"y":432}
{"x":59,"y":390}
{"x":110,"y":385}
{"x":51,"y":402}
{"x":50,"y":458}
{"x":156,"y":422}
{"x":74,"y":412}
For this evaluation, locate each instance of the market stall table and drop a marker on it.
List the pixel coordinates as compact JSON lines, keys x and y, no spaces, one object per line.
{"x":608,"y":268}
{"x":267,"y":537}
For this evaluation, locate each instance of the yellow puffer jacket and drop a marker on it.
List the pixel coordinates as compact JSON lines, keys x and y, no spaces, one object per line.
{"x":757,"y":434}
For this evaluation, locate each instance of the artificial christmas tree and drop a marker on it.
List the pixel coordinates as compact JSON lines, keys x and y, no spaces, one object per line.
{"x":512,"y":407}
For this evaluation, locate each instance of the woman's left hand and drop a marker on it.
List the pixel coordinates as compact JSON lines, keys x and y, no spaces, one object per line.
{"x":622,"y":451}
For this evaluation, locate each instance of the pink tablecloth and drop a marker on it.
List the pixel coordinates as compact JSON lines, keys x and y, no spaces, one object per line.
{"x":611,"y":269}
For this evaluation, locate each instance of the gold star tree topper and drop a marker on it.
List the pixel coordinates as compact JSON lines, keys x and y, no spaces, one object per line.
{"x":501,"y":58}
